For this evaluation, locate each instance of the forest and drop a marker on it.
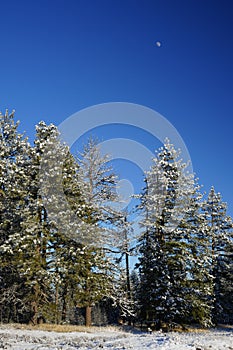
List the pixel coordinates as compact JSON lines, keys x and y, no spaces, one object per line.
{"x":65,"y":246}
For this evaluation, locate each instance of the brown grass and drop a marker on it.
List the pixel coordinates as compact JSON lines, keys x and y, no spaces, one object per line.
{"x":58,"y":328}
{"x":72,"y":328}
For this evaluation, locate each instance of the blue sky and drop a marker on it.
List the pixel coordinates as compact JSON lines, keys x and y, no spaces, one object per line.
{"x":60,"y":56}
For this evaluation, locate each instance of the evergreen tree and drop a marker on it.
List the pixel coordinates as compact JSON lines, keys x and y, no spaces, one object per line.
{"x":72,"y":262}
{"x":220,"y":236}
{"x":199,"y":286}
{"x":98,"y":186}
{"x":33,"y":243}
{"x":171,"y":217}
{"x":39,"y":229}
{"x":158,"y":203}
{"x":14,"y":161}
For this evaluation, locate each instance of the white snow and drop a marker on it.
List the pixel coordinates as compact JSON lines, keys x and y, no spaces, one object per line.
{"x":109,"y":339}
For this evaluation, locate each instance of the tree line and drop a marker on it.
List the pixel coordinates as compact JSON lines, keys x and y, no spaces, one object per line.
{"x":61,"y":260}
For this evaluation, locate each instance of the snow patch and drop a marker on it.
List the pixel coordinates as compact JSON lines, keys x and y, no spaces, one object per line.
{"x":106,"y":339}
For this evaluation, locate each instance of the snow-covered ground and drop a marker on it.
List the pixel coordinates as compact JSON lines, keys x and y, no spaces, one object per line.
{"x":109,"y":339}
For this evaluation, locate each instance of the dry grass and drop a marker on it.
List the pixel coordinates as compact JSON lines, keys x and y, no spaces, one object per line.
{"x":59,"y":328}
{"x":72,"y":328}
{"x":197,"y":329}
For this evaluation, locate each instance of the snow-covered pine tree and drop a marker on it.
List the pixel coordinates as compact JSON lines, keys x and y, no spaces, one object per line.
{"x":67,"y":216}
{"x":224,"y":283}
{"x":98,"y":186}
{"x":199,"y":279}
{"x":80,"y":266}
{"x":98,"y":183}
{"x":14,"y":161}
{"x":34,"y":243}
{"x":153,"y":281}
{"x":220,"y":238}
{"x":68,"y":254}
{"x":166,"y":244}
{"x":158,"y":202}
{"x":37,"y":244}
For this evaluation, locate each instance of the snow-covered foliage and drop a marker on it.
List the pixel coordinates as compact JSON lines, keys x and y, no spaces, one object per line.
{"x":46,"y":270}
{"x":65,"y":245}
{"x":220,"y":233}
{"x":98,"y":183}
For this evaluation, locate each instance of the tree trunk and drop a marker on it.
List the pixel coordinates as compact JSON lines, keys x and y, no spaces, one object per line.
{"x":127,"y":269}
{"x":57,"y":304}
{"x":88,"y":316}
{"x":34,"y":305}
{"x":64,"y":310}
{"x":34,"y":313}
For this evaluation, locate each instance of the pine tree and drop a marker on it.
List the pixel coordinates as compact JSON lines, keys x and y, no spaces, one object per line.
{"x":33,"y":243}
{"x":220,"y":234}
{"x":199,"y":293}
{"x":66,"y":213}
{"x":98,"y":184}
{"x":14,"y":160}
{"x":171,"y":216}
{"x":98,"y":187}
{"x":79,"y":264}
{"x":39,"y":230}
{"x":159,"y":202}
{"x":224,"y":283}
{"x":35,"y":247}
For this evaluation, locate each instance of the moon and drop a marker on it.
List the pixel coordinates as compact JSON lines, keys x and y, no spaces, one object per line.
{"x":158,"y":43}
